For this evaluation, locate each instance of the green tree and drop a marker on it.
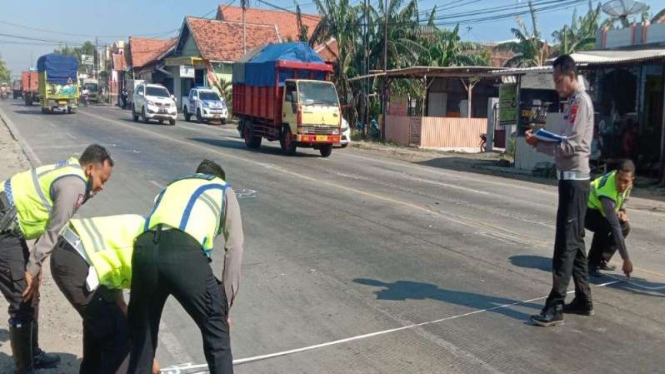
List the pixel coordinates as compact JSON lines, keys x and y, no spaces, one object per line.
{"x":5,"y":73}
{"x":580,"y":35}
{"x":340,"y":21}
{"x":87,"y":48}
{"x":529,"y":48}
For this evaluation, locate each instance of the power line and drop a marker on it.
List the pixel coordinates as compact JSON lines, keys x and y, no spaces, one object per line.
{"x":78,"y":34}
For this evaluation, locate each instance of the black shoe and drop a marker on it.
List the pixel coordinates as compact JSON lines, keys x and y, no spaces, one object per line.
{"x":550,"y":316}
{"x":577,"y":307}
{"x":594,"y":272}
{"x":43,"y":360}
{"x":607,"y":267}
{"x":20,"y":336}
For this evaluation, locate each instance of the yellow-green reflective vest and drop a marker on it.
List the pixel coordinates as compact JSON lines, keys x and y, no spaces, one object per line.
{"x":30,"y":192}
{"x":606,"y":186}
{"x":108,"y":243}
{"x":194,"y":205}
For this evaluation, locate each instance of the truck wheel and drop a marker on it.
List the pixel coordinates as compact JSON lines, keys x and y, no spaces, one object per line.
{"x":135,"y":115}
{"x":326,"y":150}
{"x":223,"y":121}
{"x":287,"y":142}
{"x":251,"y":141}
{"x":145,"y":117}
{"x":161,"y":121}
{"x":188,"y":116}
{"x":199,"y":118}
{"x":172,"y":122}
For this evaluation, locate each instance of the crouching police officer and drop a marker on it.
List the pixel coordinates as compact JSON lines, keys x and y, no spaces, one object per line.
{"x":37,"y":204}
{"x":91,"y":265}
{"x":608,"y":220}
{"x":172,"y":258}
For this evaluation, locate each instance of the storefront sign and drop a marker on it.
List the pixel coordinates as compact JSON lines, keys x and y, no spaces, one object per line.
{"x":186,"y":71}
{"x":507,"y":104}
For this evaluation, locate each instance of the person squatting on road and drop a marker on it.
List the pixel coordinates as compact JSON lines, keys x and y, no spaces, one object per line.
{"x":37,"y":204}
{"x":172,"y":257}
{"x":91,"y":265}
{"x":607,"y":218}
{"x":571,"y":157}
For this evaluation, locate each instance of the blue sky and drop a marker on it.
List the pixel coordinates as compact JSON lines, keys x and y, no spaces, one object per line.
{"x":75,"y":21}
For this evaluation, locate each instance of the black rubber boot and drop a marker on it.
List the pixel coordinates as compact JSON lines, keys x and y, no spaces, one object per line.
{"x":41,"y":359}
{"x":550,"y":316}
{"x":20,"y":335}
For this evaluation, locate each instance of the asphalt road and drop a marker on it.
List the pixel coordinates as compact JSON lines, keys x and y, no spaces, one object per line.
{"x":358,"y":244}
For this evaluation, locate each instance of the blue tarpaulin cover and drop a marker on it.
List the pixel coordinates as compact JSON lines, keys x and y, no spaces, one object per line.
{"x":258,"y":68}
{"x":59,"y":69}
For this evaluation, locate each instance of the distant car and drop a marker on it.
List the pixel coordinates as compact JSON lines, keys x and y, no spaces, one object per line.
{"x":345,"y":138}
{"x":153,"y":101}
{"x":205,"y":105}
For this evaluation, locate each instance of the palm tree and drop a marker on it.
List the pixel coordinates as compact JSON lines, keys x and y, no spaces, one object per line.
{"x":529,"y":48}
{"x":339,"y":21}
{"x":581,"y":34}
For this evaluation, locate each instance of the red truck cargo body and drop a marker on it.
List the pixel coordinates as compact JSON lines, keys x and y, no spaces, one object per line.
{"x":30,"y":81}
{"x":265,"y":103}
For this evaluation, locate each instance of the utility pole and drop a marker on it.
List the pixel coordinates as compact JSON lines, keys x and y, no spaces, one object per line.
{"x":365,"y":119}
{"x":244,"y":26}
{"x":384,"y":106}
{"x":95,"y":58}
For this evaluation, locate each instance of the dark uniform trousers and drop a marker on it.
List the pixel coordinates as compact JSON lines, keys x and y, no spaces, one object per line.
{"x":14,"y":255}
{"x":602,"y":245}
{"x":167,"y":263}
{"x":569,"y":250}
{"x":105,"y":331}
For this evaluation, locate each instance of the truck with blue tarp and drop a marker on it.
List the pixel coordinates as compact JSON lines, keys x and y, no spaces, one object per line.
{"x":58,"y":83}
{"x":283,"y":92}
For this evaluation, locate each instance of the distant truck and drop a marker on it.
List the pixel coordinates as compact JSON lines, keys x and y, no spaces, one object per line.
{"x":58,"y":83}
{"x":16,"y":89}
{"x":93,"y":89}
{"x":282,"y":92}
{"x":30,"y":87}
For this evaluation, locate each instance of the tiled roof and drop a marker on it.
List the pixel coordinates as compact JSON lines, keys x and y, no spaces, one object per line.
{"x":143,"y":50}
{"x":222,"y":41}
{"x":119,"y":62}
{"x":328,"y":51}
{"x":286,"y":22}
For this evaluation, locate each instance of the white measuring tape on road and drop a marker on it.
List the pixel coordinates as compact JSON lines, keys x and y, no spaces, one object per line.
{"x":196,"y":369}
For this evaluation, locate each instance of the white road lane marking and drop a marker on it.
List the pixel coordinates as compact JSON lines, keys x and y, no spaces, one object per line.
{"x":176,"y":369}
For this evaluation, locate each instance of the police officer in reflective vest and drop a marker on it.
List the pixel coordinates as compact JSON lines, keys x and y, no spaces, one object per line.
{"x":172,"y":258}
{"x":608,"y":220}
{"x":36,"y":205}
{"x":91,"y":265}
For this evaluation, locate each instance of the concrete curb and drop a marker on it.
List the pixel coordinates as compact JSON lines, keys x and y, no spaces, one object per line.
{"x":25,"y":147}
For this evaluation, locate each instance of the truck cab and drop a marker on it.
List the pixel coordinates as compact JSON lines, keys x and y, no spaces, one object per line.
{"x":205,"y":104}
{"x":311,"y":113}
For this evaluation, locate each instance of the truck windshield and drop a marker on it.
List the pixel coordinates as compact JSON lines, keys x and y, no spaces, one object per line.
{"x":208,"y":95}
{"x":92,"y":87}
{"x":156,"y":91}
{"x":317,"y":93}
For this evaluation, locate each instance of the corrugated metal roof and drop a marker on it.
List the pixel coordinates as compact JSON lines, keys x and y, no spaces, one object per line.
{"x":434,"y":72}
{"x":610,"y":57}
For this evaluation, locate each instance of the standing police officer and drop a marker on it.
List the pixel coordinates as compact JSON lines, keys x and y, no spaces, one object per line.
{"x":172,"y":258}
{"x":37,"y":204}
{"x":572,"y":163}
{"x":91,"y":265}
